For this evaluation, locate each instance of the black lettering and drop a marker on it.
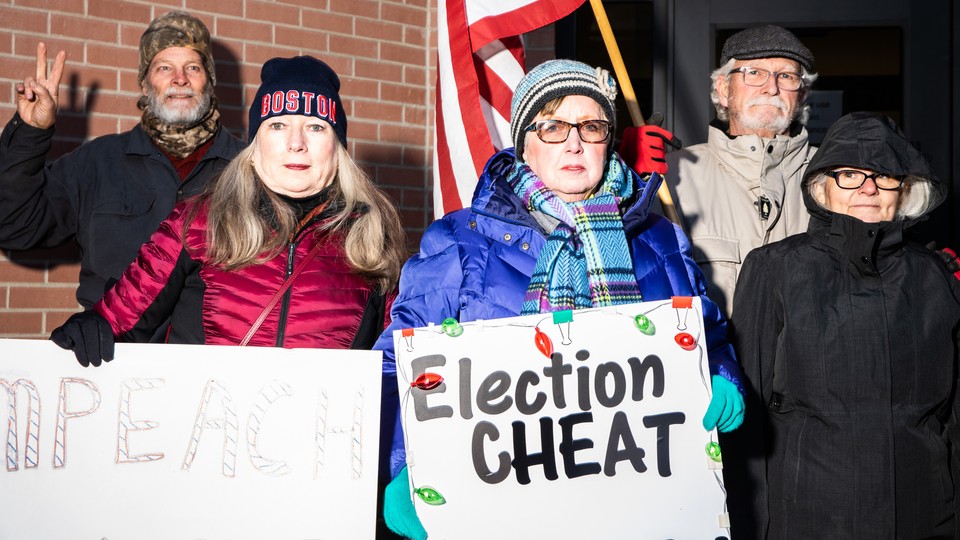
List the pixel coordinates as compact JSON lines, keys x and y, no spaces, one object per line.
{"x":555,"y":372}
{"x":489,"y":430}
{"x":569,"y":446}
{"x":663,"y":422}
{"x":639,"y":371}
{"x":600,"y":384}
{"x":583,"y":388}
{"x":493,"y":387}
{"x":524,"y":381}
{"x":466,"y":392}
{"x":421,"y":409}
{"x":620,"y":431}
{"x":522,"y":460}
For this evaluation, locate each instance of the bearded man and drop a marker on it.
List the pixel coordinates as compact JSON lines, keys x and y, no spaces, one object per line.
{"x":741,"y":189}
{"x":111,"y":193}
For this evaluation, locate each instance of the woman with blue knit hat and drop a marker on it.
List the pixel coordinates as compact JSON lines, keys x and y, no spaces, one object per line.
{"x":558,"y":222}
{"x":292,"y":246}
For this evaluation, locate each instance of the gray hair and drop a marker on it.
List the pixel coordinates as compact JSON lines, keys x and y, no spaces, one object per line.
{"x":916,"y":195}
{"x":803,"y":111}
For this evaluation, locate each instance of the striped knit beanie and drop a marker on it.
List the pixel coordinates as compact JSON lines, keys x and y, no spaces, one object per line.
{"x":555,"y":79}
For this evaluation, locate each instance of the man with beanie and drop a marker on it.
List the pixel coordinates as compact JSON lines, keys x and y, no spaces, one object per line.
{"x":741,"y":189}
{"x":111,"y":193}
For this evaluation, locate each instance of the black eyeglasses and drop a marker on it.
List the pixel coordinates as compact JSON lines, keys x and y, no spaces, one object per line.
{"x":848,"y":179}
{"x":557,"y":131}
{"x":786,"y":80}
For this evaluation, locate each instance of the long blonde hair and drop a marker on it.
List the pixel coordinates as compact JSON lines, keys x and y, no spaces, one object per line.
{"x":240,"y":232}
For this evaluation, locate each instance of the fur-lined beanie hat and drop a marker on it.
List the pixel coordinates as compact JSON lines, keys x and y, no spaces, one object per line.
{"x":768,"y":41}
{"x":299,"y":85}
{"x":555,"y":79}
{"x":175,"y":29}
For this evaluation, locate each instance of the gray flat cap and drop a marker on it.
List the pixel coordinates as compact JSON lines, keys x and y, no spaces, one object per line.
{"x":769,"y":41}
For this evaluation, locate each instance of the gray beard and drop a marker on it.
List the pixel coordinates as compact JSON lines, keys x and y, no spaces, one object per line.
{"x":178,"y":117}
{"x":754,"y":122}
{"x":778,"y":125}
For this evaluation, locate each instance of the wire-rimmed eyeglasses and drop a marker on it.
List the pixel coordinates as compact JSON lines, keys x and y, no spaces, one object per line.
{"x":557,"y":131}
{"x":849,"y":179}
{"x":786,"y":80}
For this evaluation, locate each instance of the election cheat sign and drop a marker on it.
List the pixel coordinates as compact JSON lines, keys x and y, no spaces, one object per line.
{"x":582,"y":424}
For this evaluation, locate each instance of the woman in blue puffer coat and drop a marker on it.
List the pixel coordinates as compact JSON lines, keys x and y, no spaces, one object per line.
{"x":558,"y":222}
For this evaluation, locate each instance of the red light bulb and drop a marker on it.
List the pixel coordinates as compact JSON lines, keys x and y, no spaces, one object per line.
{"x":543,"y":343}
{"x":686,"y":341}
{"x":427,"y":381}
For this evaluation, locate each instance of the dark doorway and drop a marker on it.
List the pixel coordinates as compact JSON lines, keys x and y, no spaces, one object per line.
{"x":632,"y":24}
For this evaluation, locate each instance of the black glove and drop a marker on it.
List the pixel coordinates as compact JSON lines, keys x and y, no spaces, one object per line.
{"x":88,"y":335}
{"x":949,"y":258}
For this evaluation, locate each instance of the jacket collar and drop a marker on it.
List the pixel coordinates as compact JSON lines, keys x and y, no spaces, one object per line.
{"x":753,"y":158}
{"x":493,"y":196}
{"x":795,"y":128}
{"x":865,"y":245}
{"x":140,"y":144}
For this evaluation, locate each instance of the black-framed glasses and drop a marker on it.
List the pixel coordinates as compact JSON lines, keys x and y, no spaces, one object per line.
{"x":786,"y":80}
{"x":849,"y":179}
{"x":557,"y":131}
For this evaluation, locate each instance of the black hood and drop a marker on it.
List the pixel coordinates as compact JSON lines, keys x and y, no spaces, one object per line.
{"x":865,"y":140}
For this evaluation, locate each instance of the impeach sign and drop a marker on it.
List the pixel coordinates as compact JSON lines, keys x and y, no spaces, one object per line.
{"x":583,"y":424}
{"x":176,"y":441}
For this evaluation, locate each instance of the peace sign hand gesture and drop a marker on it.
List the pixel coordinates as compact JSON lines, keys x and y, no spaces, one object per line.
{"x":37,"y":98}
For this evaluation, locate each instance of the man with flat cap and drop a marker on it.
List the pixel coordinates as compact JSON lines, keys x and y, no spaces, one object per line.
{"x":111,"y":193}
{"x":741,"y":189}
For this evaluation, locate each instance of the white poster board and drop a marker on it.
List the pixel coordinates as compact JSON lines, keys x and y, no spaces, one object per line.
{"x":602,"y":439}
{"x":175,"y":441}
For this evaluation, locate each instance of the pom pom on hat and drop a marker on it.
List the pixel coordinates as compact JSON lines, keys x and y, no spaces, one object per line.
{"x":555,"y":79}
{"x":299,"y":85}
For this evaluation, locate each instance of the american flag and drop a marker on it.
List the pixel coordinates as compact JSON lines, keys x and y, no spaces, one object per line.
{"x":480,"y":62}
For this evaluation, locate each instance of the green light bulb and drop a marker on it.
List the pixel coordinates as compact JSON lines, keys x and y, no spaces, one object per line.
{"x":451,"y":327}
{"x":430,"y":496}
{"x":644,"y":324}
{"x":713,"y":451}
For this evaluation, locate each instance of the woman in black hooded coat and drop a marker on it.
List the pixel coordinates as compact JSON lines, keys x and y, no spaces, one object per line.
{"x":848,"y":338}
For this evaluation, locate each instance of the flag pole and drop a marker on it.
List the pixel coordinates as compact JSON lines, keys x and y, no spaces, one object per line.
{"x":621,"y":70}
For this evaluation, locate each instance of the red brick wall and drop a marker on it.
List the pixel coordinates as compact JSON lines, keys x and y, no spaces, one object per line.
{"x":383,"y":50}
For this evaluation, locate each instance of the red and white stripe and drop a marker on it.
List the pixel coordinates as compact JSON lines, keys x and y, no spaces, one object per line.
{"x":480,"y":62}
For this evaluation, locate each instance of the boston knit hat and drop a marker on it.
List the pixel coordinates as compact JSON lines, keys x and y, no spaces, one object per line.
{"x":768,"y":41}
{"x":175,"y":29}
{"x":299,"y":85}
{"x":555,"y":79}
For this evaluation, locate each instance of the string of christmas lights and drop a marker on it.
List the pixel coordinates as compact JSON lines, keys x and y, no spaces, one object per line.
{"x":452,"y":328}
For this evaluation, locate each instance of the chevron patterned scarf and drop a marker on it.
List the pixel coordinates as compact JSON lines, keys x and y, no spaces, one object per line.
{"x":586,"y":261}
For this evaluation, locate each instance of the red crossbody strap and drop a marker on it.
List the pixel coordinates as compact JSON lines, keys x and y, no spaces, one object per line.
{"x":276,"y":297}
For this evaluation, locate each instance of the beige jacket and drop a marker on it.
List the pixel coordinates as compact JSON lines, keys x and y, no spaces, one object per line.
{"x":720,"y":187}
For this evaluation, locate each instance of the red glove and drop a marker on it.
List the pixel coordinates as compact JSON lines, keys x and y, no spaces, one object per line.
{"x":642,"y":148}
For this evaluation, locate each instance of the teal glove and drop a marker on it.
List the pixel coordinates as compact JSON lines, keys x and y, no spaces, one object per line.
{"x":398,"y":511}
{"x":726,"y":407}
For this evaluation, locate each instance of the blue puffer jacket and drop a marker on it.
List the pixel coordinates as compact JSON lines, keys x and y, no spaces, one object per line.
{"x":476,"y":263}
